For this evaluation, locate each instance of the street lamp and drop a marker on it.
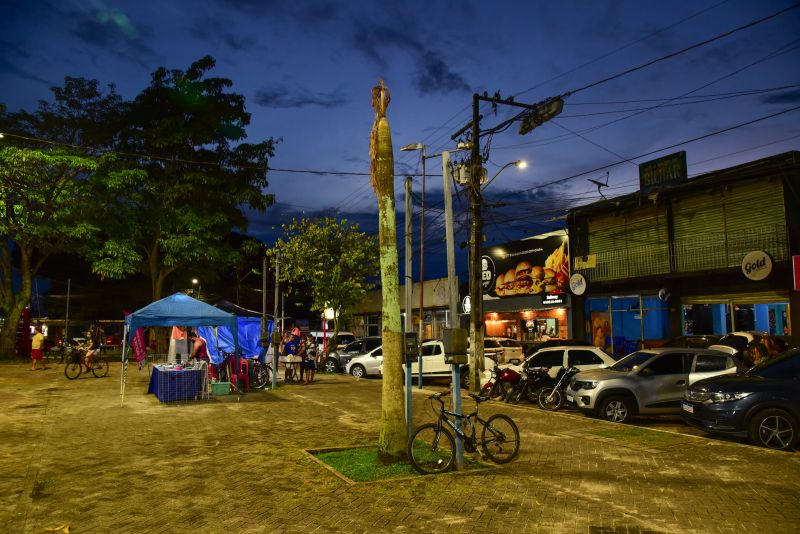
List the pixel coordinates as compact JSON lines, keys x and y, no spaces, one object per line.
{"x":520,"y":164}
{"x":407,"y":148}
{"x":196,"y":282}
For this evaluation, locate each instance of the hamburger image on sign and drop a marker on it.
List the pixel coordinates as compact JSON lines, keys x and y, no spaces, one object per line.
{"x":511,"y":282}
{"x":500,"y":285}
{"x":550,"y":281}
{"x":537,"y":277}
{"x":524,"y":281}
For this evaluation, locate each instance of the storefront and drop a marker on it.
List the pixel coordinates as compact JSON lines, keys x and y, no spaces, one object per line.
{"x":764,"y":312}
{"x":525,"y":288}
{"x":621,"y":324}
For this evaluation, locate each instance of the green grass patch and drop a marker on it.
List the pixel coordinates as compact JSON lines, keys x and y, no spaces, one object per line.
{"x":640,"y":436}
{"x":362,"y":465}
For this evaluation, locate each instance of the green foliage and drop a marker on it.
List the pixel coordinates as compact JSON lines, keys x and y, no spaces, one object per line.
{"x":362,"y":465}
{"x":333,"y":257}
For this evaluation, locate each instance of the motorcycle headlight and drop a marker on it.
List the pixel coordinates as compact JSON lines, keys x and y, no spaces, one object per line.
{"x":715,"y":398}
{"x":584,"y":384}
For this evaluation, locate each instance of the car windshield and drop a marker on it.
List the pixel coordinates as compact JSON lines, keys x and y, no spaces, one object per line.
{"x":786,"y":365}
{"x":736,"y":342}
{"x":631,"y":361}
{"x":490,"y":344}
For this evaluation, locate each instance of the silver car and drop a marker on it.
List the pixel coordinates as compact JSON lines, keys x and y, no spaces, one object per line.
{"x":650,"y":381}
{"x":366,"y":364}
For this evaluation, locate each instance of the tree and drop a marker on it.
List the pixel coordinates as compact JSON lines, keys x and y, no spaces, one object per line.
{"x":188,"y":132}
{"x":394,"y":434}
{"x":333,"y":257}
{"x":43,"y":201}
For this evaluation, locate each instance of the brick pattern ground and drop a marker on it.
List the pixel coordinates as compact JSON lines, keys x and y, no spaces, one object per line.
{"x":71,"y":454}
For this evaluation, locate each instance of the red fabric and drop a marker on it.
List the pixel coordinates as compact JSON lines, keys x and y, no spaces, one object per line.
{"x":36,"y":354}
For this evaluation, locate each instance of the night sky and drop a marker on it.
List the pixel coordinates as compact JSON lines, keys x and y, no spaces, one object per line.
{"x":307,"y":68}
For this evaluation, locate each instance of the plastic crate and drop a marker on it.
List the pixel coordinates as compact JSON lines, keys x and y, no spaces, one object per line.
{"x":220,"y":388}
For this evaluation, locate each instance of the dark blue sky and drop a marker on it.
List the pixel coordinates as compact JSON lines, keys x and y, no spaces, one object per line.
{"x":307,"y":69}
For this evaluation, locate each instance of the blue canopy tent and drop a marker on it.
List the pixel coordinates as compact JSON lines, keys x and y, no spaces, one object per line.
{"x":176,"y":310}
{"x":250,"y":333}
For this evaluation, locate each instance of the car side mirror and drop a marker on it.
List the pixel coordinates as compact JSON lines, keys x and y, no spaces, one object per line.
{"x":646,"y":372}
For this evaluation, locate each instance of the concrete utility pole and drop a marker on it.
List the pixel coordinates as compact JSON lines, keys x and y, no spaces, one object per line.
{"x":450,"y":241}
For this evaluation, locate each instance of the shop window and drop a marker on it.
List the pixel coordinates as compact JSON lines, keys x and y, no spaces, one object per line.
{"x":706,"y":319}
{"x":373,"y":325}
{"x":598,"y":331}
{"x":771,"y":318}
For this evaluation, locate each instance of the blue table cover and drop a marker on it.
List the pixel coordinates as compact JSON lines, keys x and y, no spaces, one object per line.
{"x":171,"y":385}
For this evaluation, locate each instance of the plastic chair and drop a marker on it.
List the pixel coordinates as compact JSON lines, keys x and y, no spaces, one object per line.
{"x":242,"y":373}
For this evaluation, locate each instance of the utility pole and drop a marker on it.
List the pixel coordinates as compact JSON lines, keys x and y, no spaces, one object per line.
{"x":275,"y":337}
{"x":409,"y":280}
{"x":475,"y":251}
{"x":450,"y":241}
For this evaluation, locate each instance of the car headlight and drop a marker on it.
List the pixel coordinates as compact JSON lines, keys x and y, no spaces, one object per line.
{"x":715,"y":398}
{"x":584,"y":384}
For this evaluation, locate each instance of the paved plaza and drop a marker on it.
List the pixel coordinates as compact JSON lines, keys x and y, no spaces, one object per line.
{"x":71,"y":454}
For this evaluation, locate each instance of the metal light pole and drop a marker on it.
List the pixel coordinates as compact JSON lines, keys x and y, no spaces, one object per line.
{"x":420,"y":146}
{"x":275,"y":338}
{"x":452,"y":279}
{"x":409,"y":283}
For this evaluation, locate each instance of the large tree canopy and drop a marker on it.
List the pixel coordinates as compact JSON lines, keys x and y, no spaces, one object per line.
{"x":187,"y":131}
{"x":333,"y":257}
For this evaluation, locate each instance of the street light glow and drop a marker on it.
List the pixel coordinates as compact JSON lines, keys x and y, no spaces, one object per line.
{"x":521,"y":164}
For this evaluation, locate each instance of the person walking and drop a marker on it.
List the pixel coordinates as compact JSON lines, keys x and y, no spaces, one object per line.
{"x":37,"y":349}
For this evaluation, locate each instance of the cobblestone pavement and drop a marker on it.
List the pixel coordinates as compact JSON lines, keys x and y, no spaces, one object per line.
{"x":71,"y":454}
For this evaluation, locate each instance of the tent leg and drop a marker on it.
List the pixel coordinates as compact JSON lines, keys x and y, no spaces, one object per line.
{"x":124,"y":366}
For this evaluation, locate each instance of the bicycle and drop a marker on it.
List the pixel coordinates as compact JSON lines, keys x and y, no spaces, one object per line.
{"x":431,"y":447}
{"x":76,"y":363}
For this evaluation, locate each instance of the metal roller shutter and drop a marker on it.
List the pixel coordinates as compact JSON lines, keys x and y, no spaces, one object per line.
{"x":699,"y":225}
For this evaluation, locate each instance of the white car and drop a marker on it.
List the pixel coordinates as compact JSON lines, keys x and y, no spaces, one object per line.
{"x":433,"y":366}
{"x":503,"y":349}
{"x":583,"y":357}
{"x":366,"y":364}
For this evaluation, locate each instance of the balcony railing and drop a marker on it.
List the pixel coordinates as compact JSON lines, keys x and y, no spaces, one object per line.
{"x":702,"y":252}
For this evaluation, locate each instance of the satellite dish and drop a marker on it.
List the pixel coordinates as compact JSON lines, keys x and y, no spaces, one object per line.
{"x":663,"y":294}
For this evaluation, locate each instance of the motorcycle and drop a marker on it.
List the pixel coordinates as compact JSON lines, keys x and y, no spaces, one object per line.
{"x":501,"y":382}
{"x":552,"y":397}
{"x":532,"y":381}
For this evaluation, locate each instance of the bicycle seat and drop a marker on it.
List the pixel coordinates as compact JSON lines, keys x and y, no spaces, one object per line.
{"x":478,"y":398}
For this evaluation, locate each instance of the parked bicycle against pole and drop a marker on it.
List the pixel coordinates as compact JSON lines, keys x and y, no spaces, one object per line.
{"x":432,"y":448}
{"x":78,"y":363}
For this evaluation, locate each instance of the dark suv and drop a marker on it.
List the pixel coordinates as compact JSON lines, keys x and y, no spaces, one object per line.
{"x":762,"y":404}
{"x":337,"y":360}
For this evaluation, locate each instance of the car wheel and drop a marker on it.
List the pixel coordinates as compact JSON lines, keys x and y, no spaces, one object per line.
{"x":774,"y":429}
{"x":465,"y":377}
{"x":617,"y":409}
{"x":358,"y":371}
{"x":330,"y":365}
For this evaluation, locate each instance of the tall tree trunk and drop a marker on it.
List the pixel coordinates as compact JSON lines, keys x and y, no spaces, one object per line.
{"x":14,"y":303}
{"x":393,"y":434}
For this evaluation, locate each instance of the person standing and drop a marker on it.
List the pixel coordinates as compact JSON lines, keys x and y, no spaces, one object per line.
{"x":311,"y":358}
{"x":37,"y":348}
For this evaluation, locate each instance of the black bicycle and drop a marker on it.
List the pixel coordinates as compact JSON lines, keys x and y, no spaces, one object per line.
{"x":432,"y":448}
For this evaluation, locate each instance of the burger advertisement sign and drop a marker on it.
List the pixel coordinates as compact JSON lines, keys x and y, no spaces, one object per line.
{"x":534,"y":266}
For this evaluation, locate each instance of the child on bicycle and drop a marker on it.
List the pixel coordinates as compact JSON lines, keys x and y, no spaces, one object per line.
{"x":92,"y":348}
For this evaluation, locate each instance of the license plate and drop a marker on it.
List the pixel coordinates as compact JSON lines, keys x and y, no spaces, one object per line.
{"x":687,"y":407}
{"x":570,"y":398}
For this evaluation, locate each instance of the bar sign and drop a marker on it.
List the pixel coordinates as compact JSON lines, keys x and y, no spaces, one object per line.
{"x":796,"y":272}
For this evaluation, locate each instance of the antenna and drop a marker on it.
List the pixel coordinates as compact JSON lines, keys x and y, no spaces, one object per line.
{"x":600,"y":185}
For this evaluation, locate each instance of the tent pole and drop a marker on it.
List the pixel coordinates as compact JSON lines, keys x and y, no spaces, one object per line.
{"x":124,"y":365}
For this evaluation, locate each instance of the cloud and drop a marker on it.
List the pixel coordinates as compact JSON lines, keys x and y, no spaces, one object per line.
{"x":434,"y":76}
{"x":112,"y":31}
{"x":279,"y":97}
{"x":785,"y":97}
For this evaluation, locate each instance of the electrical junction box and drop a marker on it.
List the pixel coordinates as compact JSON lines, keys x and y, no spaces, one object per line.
{"x":410,"y":347}
{"x":455,"y":345}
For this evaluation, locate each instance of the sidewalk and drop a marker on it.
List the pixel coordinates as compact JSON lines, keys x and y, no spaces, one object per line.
{"x":71,"y":454}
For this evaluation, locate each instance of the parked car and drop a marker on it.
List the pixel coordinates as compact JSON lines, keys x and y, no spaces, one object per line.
{"x":433,"y":365}
{"x":337,"y":360}
{"x":750,"y":347}
{"x":344,"y":338}
{"x":650,"y":381}
{"x":503,"y":349}
{"x":529,"y":347}
{"x":692,"y":342}
{"x":366,"y":364}
{"x":583,"y":357}
{"x":762,"y":404}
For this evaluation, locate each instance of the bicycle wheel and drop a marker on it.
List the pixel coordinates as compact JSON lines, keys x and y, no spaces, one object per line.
{"x":550,"y":399}
{"x":73,"y":370}
{"x":431,"y":449}
{"x":261,"y":376}
{"x":100,"y":368}
{"x":500,"y":438}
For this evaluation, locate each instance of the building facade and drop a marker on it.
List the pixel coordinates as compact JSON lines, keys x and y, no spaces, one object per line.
{"x":708,"y":255}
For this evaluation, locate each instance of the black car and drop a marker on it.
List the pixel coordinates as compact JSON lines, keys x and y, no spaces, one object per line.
{"x":762,"y":404}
